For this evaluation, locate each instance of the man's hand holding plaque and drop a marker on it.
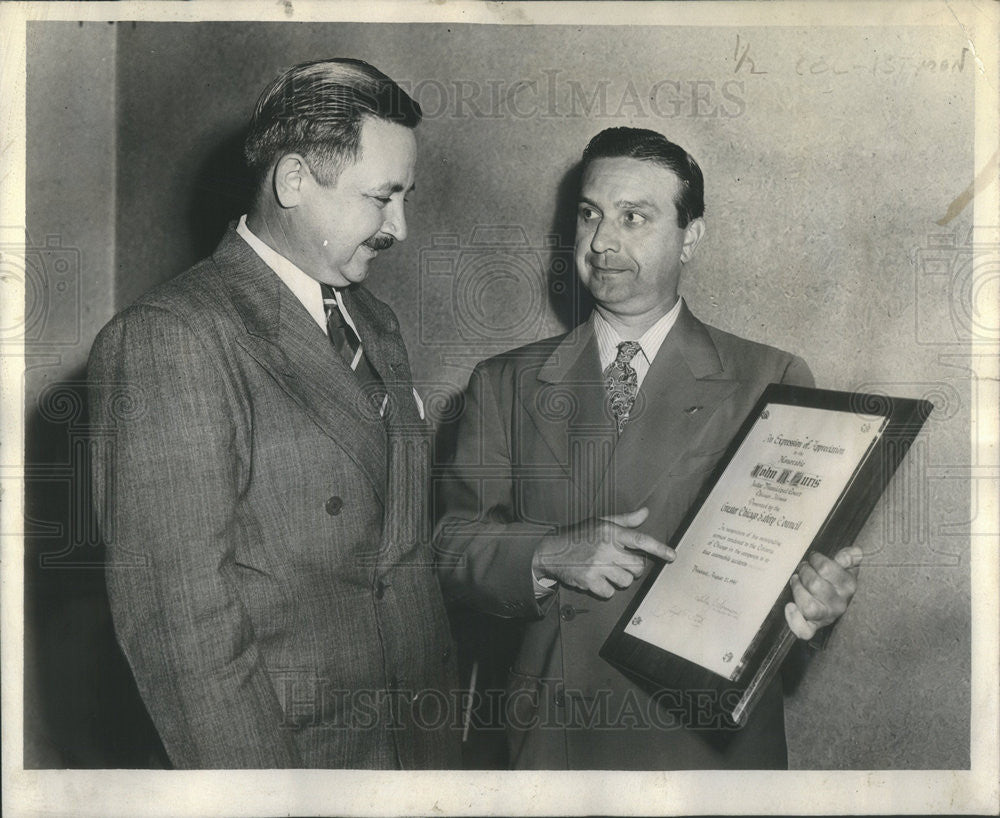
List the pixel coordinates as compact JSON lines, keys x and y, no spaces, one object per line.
{"x":822,"y":588}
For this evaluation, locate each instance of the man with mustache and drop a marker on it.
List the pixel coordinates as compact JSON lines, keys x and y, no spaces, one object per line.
{"x":576,"y":459}
{"x":263,"y":492}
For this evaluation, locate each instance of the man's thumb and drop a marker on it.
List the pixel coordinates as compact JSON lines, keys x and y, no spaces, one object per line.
{"x":631,"y":519}
{"x":850,"y":557}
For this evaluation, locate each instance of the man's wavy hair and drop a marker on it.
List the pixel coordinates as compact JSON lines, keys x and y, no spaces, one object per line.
{"x":650,"y":146}
{"x":317,"y":109}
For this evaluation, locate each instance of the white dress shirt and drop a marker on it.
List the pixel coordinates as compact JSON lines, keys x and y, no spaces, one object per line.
{"x":308,"y":291}
{"x":303,"y":286}
{"x":650,"y":342}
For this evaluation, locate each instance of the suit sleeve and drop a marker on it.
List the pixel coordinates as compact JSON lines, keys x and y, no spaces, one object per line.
{"x":483,"y":553}
{"x":166,"y":488}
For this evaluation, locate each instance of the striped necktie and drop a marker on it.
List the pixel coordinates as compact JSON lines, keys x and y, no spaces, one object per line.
{"x":344,"y":339}
{"x":348,"y":345}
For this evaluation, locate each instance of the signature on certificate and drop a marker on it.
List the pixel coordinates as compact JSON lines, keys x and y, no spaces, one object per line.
{"x":717,"y":606}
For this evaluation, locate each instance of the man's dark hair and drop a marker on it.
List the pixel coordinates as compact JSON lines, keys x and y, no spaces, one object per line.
{"x":317,"y":109}
{"x":650,"y":146}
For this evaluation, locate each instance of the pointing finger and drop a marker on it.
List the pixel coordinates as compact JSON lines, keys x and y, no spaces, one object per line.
{"x":650,"y":545}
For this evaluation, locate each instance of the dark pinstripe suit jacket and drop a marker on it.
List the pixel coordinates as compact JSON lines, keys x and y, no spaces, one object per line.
{"x":267,"y":540}
{"x":537,"y":448}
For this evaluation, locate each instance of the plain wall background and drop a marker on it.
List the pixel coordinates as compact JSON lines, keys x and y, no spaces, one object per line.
{"x":829,"y":156}
{"x":81,"y":708}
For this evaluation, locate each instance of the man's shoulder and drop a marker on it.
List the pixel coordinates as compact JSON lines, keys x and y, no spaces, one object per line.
{"x":197,"y":287}
{"x":204,"y":287}
{"x":192,"y":299}
{"x":750,"y":360}
{"x":734,"y":345}
{"x":528,"y":356}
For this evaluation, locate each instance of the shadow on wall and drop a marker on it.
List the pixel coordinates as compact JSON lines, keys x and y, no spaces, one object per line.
{"x":81,"y":705}
{"x":222,"y":192}
{"x":568,"y":298}
{"x":225,"y":187}
{"x":486,"y":642}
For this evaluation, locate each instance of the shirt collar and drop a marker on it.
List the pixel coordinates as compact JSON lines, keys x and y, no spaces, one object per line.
{"x":305,"y":288}
{"x":650,"y":342}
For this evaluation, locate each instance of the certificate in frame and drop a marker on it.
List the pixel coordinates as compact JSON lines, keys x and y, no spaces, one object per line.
{"x":802,"y":474}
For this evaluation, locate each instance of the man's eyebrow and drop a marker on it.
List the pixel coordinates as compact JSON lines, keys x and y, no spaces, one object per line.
{"x":395,"y":187}
{"x":641,"y":204}
{"x":624,"y":204}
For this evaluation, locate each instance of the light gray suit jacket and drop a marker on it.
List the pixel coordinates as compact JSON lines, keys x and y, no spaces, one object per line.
{"x":537,"y":448}
{"x":268,"y":547}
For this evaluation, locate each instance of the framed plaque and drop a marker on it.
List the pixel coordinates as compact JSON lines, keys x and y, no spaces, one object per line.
{"x":802,"y":474}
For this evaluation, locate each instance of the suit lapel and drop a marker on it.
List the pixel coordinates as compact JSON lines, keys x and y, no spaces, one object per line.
{"x":570,"y":412}
{"x":408,"y":434}
{"x":682,"y":389}
{"x":284,"y":339}
{"x":386,"y":354}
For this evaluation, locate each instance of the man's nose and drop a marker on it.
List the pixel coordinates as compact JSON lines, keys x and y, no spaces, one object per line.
{"x":395,"y":220}
{"x":605,"y":238}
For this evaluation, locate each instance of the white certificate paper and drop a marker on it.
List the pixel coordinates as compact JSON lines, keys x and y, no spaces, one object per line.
{"x":750,"y":534}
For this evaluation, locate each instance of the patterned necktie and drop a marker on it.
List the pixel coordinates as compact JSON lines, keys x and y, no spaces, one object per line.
{"x":344,"y":339}
{"x":622,"y":382}
{"x":348,"y":345}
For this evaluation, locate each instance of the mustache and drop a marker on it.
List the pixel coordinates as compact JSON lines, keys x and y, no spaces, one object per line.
{"x":378,"y":242}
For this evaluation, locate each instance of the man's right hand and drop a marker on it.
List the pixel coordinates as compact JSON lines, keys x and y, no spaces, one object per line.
{"x":600,"y":554}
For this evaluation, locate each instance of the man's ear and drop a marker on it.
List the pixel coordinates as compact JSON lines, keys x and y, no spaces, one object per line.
{"x":288,"y":177}
{"x":692,"y":238}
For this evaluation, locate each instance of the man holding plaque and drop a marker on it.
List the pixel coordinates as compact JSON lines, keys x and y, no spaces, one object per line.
{"x":576,"y":460}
